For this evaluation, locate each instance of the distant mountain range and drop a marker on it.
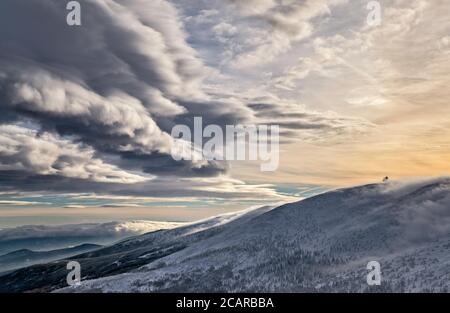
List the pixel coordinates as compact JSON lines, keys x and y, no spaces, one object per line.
{"x":320,"y":244}
{"x":44,"y":238}
{"x":25,"y":257}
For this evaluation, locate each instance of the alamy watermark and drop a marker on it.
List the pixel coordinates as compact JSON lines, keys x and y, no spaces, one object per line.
{"x":74,"y":15}
{"x":374,"y":276}
{"x":238,"y":143}
{"x":74,"y":276}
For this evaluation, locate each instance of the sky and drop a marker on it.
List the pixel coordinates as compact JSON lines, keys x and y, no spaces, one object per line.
{"x":86,"y":112}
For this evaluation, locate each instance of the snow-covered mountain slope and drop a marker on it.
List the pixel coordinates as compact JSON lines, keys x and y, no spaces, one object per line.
{"x":318,"y":244}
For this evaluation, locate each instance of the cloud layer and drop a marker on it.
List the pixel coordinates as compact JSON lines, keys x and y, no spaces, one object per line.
{"x":111,"y":84}
{"x":111,"y":230}
{"x":23,"y":149}
{"x":84,"y":107}
{"x":90,"y":108}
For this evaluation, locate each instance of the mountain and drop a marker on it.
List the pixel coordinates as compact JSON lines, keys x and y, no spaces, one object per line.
{"x":44,"y":238}
{"x":25,"y":257}
{"x":320,"y":244}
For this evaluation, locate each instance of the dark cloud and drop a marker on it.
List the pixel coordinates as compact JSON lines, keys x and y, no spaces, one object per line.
{"x":116,"y":83}
{"x":93,"y":105}
{"x":168,"y":187}
{"x":160,"y":164}
{"x":43,"y":153}
{"x":297,"y":122}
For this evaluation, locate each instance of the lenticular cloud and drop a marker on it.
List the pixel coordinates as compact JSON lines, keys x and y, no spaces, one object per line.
{"x":107,"y":84}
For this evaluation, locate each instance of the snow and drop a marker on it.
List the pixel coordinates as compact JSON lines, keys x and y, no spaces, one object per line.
{"x":320,"y":244}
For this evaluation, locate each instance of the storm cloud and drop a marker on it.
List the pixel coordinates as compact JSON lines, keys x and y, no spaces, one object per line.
{"x":108,"y":83}
{"x":91,"y":107}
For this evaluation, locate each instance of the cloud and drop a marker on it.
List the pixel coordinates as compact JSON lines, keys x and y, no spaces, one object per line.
{"x":106,"y":95}
{"x":46,"y":154}
{"x":118,"y":47}
{"x":224,"y":30}
{"x":204,"y":16}
{"x":20,"y":203}
{"x":421,"y":205}
{"x":112,"y":229}
{"x":397,"y":77}
{"x":296,"y":122}
{"x":44,"y":96}
{"x":285,"y":22}
{"x":115,"y":83}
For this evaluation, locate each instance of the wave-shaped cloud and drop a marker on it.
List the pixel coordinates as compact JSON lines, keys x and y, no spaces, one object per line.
{"x":95,"y":103}
{"x":112,"y":83}
{"x":46,"y":154}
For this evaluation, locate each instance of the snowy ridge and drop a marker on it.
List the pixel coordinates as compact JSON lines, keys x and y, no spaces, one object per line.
{"x":320,"y":244}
